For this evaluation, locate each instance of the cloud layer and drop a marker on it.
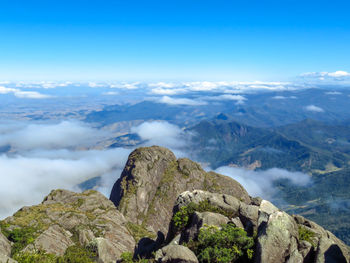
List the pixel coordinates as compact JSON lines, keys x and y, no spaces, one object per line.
{"x":43,"y":157}
{"x":23,"y":94}
{"x":260,"y":183}
{"x":48,"y":136}
{"x":164,"y":134}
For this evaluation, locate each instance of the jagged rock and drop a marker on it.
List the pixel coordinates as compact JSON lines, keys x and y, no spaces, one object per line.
{"x":266,"y":207}
{"x":107,"y":251}
{"x":152,"y":180}
{"x":199,"y":220}
{"x":237,"y":222}
{"x":85,"y":236}
{"x":277,"y":238}
{"x":5,"y":246}
{"x":64,"y":214}
{"x":329,"y":247}
{"x":223,"y":201}
{"x":248,"y":214}
{"x":230,"y":204}
{"x":6,"y":259}
{"x":54,"y":240}
{"x":175,"y":254}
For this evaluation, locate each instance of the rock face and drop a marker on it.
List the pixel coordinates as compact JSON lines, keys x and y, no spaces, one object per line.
{"x":66,"y":218}
{"x":279,"y":237}
{"x":175,"y":253}
{"x":5,"y":246}
{"x":153,"y":178}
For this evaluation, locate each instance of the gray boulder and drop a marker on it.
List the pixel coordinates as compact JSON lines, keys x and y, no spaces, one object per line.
{"x":199,"y":220}
{"x":175,"y":254}
{"x":6,"y":259}
{"x":277,"y":238}
{"x":5,"y":246}
{"x":54,"y":240}
{"x":88,"y":215}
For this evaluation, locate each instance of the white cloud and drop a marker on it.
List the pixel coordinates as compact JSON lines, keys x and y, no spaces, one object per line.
{"x":260,"y":183}
{"x":238,"y":98}
{"x":167,"y":85}
{"x":50,"y":156}
{"x":48,"y":136}
{"x":164,"y":134}
{"x":127,"y":86}
{"x":232,"y":97}
{"x":30,"y":95}
{"x":339,"y":74}
{"x":168,"y":91}
{"x":279,"y":97}
{"x":314,"y":108}
{"x":23,"y":94}
{"x":322,"y":76}
{"x":5,"y":90}
{"x":181,"y":101}
{"x":110,"y":93}
{"x":333,"y":93}
{"x":26,"y":179}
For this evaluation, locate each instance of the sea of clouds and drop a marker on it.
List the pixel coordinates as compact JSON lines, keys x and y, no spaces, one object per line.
{"x":39,"y":157}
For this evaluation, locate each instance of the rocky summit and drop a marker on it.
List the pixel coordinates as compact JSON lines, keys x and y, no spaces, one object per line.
{"x":164,"y":209}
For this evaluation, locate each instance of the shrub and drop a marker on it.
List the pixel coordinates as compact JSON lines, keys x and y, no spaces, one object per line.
{"x":21,"y":237}
{"x":78,"y":254}
{"x":37,"y":257}
{"x":127,"y":257}
{"x":228,"y":244}
{"x":182,"y":217}
{"x":73,"y":254}
{"x":307,"y":235}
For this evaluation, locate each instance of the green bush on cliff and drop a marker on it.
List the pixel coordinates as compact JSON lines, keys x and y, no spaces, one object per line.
{"x":38,"y":257}
{"x":21,"y":237}
{"x":73,"y":254}
{"x":182,"y":217}
{"x":226,"y":244}
{"x":127,"y":257}
{"x":307,"y":235}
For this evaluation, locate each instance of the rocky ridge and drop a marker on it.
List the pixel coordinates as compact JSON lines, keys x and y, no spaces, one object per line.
{"x":152,"y":180}
{"x":167,"y":210}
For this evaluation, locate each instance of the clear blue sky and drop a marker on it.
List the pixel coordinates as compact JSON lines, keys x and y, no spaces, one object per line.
{"x":172,"y":39}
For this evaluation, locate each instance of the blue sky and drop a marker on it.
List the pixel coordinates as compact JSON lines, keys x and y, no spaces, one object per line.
{"x":172,"y":40}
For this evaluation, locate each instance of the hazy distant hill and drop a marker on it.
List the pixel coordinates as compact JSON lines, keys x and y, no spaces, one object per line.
{"x":223,"y":142}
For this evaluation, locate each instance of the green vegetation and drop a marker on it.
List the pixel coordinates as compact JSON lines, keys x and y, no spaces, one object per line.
{"x":73,"y":254}
{"x":21,"y":237}
{"x":225,"y":245}
{"x":182,"y":217}
{"x":78,"y":254}
{"x":307,"y":235}
{"x":139,"y":231}
{"x":38,"y":257}
{"x":127,"y":257}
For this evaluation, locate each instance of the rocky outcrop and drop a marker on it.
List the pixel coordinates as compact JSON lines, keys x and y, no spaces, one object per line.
{"x":6,"y":259}
{"x":278,"y":236}
{"x":5,"y":246}
{"x":153,"y":178}
{"x":175,"y":254}
{"x":65,"y":219}
{"x":158,"y":194}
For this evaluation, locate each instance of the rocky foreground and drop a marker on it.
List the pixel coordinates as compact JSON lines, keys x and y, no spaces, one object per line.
{"x":164,"y":209}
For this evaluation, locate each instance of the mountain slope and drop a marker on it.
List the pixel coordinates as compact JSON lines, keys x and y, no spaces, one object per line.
{"x":200,"y":225}
{"x":153,"y":178}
